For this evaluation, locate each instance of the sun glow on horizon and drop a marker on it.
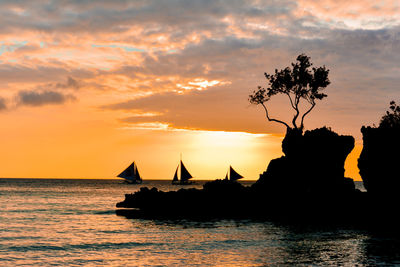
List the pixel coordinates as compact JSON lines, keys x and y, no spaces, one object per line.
{"x":87,"y":87}
{"x":101,"y":148}
{"x":207,"y":154}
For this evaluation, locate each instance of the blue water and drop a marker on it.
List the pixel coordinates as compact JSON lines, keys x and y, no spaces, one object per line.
{"x":73,"y":223}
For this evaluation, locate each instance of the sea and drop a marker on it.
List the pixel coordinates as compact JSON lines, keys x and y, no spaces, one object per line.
{"x":72,"y":222}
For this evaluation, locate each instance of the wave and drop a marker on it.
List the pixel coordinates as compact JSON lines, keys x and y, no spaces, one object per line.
{"x":72,"y":247}
{"x":105,"y":212}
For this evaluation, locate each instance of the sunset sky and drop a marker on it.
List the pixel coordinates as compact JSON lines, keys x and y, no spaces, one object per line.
{"x":86,"y":87}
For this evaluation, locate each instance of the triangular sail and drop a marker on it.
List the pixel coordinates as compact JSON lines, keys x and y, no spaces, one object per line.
{"x":185,"y":175}
{"x":128,"y":173}
{"x":233,"y":175}
{"x":176,"y":175}
{"x":138,"y":178}
{"x":131,"y":174}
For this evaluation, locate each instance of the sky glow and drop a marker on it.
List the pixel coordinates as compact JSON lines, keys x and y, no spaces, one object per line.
{"x":86,"y":87}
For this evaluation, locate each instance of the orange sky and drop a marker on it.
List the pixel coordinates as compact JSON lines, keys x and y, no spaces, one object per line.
{"x":88,"y":87}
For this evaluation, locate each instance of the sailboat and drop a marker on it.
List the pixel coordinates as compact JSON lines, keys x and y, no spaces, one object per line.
{"x":184,"y":174}
{"x":131,"y":174}
{"x":232,"y":175}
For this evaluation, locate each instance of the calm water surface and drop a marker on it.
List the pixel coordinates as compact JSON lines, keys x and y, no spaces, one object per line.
{"x":73,"y":222}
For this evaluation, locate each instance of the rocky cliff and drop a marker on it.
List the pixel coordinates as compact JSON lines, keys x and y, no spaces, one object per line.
{"x":307,"y":183}
{"x":313,"y":163}
{"x":379,"y":162}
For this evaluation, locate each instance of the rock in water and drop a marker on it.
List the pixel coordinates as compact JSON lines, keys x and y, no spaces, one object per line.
{"x":313,"y":163}
{"x":379,"y":160}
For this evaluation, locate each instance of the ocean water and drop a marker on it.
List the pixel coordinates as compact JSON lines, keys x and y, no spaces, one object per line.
{"x":73,"y":223}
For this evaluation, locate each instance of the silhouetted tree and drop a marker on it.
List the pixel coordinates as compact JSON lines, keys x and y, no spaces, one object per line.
{"x":392,"y":117}
{"x":299,"y":82}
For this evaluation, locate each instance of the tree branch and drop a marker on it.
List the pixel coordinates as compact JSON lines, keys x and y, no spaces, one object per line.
{"x":308,"y":111}
{"x":275,"y":120}
{"x":296,"y":108}
{"x":291,"y":101}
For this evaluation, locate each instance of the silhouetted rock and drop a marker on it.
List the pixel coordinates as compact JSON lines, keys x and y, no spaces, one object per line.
{"x":307,"y":183}
{"x":379,"y":160}
{"x":219,"y":198}
{"x":313,"y":163}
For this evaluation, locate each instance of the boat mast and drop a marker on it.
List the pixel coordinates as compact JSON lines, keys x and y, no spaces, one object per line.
{"x":180,"y":170}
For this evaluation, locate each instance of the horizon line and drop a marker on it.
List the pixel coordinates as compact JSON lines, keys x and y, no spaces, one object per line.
{"x":120,"y":179}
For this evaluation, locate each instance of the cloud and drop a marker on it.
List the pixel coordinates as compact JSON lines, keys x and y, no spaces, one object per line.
{"x":70,"y":83}
{"x":362,"y":63}
{"x":138,"y":53}
{"x":3,"y":105}
{"x":218,"y":109}
{"x":35,"y":99}
{"x":69,"y":16}
{"x":39,"y":71}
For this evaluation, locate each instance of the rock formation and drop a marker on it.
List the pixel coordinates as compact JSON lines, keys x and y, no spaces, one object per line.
{"x":219,"y":198}
{"x":313,"y":163}
{"x":379,"y":160}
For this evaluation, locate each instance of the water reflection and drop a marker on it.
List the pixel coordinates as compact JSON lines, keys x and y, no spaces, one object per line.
{"x":381,"y":249}
{"x":319,"y":245}
{"x":330,"y":245}
{"x":261,"y":243}
{"x":198,"y":224}
{"x":45,"y":223}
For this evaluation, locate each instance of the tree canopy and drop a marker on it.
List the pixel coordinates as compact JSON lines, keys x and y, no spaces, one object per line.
{"x":392,"y":117}
{"x":301,"y":82}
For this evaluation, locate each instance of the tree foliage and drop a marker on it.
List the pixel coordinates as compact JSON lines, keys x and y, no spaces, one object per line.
{"x":392,"y":117}
{"x":301,"y":82}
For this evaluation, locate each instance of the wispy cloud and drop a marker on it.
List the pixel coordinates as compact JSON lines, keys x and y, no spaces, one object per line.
{"x":163,"y":126}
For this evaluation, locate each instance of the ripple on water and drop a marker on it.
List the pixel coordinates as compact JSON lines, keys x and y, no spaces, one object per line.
{"x":73,"y":222}
{"x":83,"y":246}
